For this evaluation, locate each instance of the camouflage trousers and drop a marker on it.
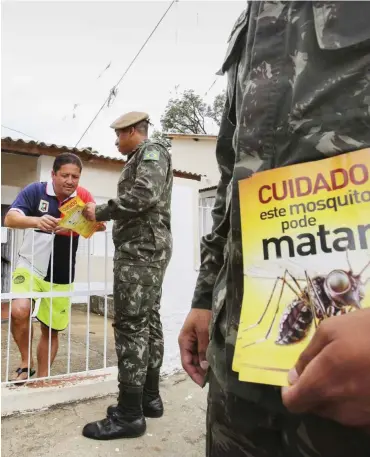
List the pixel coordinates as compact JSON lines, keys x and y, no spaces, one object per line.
{"x":137,"y":324}
{"x":238,"y":428}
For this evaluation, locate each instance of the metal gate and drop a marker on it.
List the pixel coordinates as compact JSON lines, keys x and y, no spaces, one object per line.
{"x":6,"y":253}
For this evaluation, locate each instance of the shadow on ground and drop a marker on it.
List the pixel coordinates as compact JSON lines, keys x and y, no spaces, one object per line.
{"x":57,"y":431}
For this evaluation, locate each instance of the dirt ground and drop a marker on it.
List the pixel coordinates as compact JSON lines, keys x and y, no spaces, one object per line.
{"x":78,"y":345}
{"x":57,"y":431}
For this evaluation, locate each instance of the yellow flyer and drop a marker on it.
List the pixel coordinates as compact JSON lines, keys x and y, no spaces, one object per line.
{"x":306,"y":255}
{"x":74,"y":220}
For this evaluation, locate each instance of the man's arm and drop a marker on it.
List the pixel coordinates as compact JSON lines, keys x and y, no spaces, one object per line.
{"x":88,"y":198}
{"x":212,"y":245}
{"x":194,"y":336}
{"x":150,"y":179}
{"x":17,"y":220}
{"x":22,"y":210}
{"x":14,"y":219}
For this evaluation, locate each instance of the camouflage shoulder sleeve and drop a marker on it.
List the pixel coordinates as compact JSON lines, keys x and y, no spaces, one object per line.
{"x":212,"y":245}
{"x":153,"y":166}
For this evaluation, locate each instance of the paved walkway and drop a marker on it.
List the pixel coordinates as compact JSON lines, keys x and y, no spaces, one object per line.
{"x":57,"y":431}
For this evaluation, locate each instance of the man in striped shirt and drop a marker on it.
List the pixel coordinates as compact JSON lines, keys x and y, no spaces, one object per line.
{"x":46,"y":261}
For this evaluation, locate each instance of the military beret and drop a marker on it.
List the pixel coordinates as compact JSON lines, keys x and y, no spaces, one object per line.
{"x":129,"y":119}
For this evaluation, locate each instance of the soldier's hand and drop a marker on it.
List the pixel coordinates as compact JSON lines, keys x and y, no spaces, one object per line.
{"x":102,"y":227}
{"x":193,"y":342}
{"x":47,"y":223}
{"x":332,"y":376}
{"x":89,"y":211}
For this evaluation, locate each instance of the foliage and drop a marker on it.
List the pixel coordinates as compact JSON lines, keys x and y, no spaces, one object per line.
{"x":188,"y":113}
{"x":160,"y":137}
{"x":185,"y":114}
{"x":218,"y":107}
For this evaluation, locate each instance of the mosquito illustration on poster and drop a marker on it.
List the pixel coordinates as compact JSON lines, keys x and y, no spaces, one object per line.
{"x":317,"y":297}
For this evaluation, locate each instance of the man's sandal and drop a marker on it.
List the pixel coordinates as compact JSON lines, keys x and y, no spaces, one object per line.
{"x":19,"y":372}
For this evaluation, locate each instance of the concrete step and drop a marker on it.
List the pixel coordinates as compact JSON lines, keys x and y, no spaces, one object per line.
{"x":97,"y":305}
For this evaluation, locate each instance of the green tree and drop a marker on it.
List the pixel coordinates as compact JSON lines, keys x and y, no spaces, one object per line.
{"x":215,"y":112}
{"x":187,"y":113}
{"x":160,"y":137}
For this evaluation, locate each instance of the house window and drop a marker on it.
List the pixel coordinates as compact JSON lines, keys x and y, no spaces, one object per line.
{"x":205,"y":215}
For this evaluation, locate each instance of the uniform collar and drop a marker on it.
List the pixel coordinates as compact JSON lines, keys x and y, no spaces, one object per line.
{"x":50,"y":191}
{"x":139,"y":146}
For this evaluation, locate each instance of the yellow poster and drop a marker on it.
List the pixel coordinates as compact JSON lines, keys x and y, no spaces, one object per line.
{"x":74,"y":220}
{"x":306,"y":256}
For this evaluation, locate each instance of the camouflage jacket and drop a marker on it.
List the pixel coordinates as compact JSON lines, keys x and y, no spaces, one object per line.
{"x":298,"y":90}
{"x":142,"y":209}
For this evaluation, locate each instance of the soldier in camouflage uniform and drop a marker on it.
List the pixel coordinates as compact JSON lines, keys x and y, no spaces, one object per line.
{"x":143,"y":247}
{"x":298,"y":90}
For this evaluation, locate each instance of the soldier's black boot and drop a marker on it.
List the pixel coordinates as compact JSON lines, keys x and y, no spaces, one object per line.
{"x":152,"y":402}
{"x":126,"y":421}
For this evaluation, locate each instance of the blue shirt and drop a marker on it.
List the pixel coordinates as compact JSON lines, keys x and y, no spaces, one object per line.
{"x":51,"y":257}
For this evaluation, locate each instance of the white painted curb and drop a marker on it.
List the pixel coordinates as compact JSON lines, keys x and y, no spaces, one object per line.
{"x":32,"y":396}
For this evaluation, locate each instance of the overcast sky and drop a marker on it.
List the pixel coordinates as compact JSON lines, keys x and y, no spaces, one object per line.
{"x":54,"y":52}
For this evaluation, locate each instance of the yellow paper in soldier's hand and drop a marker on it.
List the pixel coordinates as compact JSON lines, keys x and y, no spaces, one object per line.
{"x":306,"y":258}
{"x":73,"y":218}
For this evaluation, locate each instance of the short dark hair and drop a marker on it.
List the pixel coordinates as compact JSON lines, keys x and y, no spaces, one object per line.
{"x":142,"y":127}
{"x":65,"y":159}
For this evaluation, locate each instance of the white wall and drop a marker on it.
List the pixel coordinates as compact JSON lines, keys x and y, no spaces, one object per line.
{"x":180,"y":279}
{"x":16,"y":173}
{"x":197,"y":157}
{"x":100,"y":179}
{"x":17,"y":170}
{"x":9,"y":194}
{"x":44,"y":167}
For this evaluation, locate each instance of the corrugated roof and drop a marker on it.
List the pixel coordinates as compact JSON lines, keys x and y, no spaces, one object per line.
{"x":37,"y":148}
{"x":43,"y":145}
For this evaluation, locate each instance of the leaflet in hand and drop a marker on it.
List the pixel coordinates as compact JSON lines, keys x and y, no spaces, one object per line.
{"x":73,"y":219}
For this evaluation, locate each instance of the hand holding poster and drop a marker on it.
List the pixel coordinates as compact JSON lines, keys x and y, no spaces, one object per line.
{"x":306,"y":256}
{"x":74,"y":220}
